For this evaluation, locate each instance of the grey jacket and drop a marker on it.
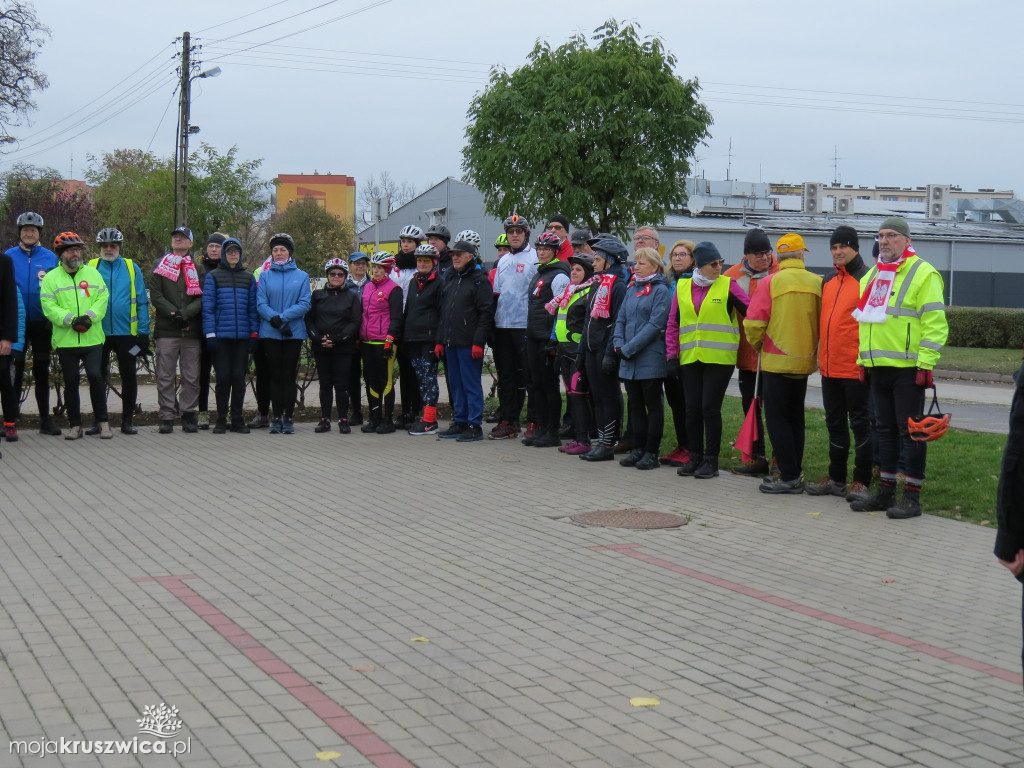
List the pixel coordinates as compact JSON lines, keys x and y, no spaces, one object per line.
{"x":640,"y":330}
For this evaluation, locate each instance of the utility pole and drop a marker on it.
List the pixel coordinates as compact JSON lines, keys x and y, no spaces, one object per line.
{"x":181,"y":159}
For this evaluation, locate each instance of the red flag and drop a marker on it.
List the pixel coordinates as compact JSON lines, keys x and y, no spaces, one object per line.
{"x":744,"y":442}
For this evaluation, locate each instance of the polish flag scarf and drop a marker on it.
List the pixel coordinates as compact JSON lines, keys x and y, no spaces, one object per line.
{"x":563,"y":301}
{"x":170,"y":266}
{"x":873,"y":304}
{"x":603,"y":300}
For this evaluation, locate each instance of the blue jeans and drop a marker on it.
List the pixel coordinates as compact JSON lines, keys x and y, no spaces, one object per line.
{"x":464,"y":380}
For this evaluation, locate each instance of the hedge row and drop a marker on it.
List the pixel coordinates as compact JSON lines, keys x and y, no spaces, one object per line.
{"x":985,"y":328}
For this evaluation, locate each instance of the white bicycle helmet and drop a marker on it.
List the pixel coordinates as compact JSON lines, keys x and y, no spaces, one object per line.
{"x":468,"y":236}
{"x":412,"y":232}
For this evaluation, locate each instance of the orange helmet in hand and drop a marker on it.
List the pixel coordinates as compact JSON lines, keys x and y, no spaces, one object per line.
{"x":929,"y":426}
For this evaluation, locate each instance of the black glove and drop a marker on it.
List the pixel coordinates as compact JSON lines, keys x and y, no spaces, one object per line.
{"x":142,"y":340}
{"x":618,"y":353}
{"x":212,"y":343}
{"x":286,"y":331}
{"x":581,"y":360}
{"x":179,"y":320}
{"x":254,"y":345}
{"x":276,"y":321}
{"x":610,"y":365}
{"x":82,"y":323}
{"x":674,"y":370}
{"x":551,"y":347}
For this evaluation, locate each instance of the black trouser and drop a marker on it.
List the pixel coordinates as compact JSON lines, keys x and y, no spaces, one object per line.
{"x":543,"y":386}
{"x":898,"y":398}
{"x":705,"y":385}
{"x":646,"y":413}
{"x":127,"y":366}
{"x":206,"y":362}
{"x":9,"y":396}
{"x":847,"y":408}
{"x":92,"y":359}
{"x":262,"y":374}
{"x":333,"y":369}
{"x":606,"y":395}
{"x":355,"y":380}
{"x":38,"y":335}
{"x":675,"y":396}
{"x":510,"y":362}
{"x":380,"y":384}
{"x":231,"y":361}
{"x":747,"y":379}
{"x":784,"y":413}
{"x":282,"y":368}
{"x":407,"y":382}
{"x":577,"y":406}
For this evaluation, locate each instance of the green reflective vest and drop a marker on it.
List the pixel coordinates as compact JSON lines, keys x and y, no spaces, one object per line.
{"x":561,"y":329}
{"x":713,"y":336}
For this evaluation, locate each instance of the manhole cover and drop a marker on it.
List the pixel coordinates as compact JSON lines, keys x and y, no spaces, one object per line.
{"x":637,"y":519}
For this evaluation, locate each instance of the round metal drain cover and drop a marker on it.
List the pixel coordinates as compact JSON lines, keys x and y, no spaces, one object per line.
{"x":636,"y":519}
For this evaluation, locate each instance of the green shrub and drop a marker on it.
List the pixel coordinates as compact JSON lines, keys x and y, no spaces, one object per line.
{"x":986,"y":328}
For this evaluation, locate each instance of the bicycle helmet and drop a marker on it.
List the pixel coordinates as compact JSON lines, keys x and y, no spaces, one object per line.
{"x":30,"y":219}
{"x":610,"y":248}
{"x":283,"y":238}
{"x":469,"y":236}
{"x":548,"y":240}
{"x":515,"y":220}
{"x":501,"y":241}
{"x":109,"y":235}
{"x":440,"y":230}
{"x":66,"y":240}
{"x":929,"y":426}
{"x":426,"y":251}
{"x":335,"y":264}
{"x":382,"y":258}
{"x":412,"y":232}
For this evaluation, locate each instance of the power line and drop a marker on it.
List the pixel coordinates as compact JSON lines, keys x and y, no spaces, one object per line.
{"x":401,"y":75}
{"x":279,"y":21}
{"x":243,"y":16}
{"x":355,"y":63}
{"x":161,"y":121}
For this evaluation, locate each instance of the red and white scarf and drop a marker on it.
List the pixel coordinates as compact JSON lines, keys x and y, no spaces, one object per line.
{"x":603,"y":299}
{"x":563,"y":301}
{"x":170,"y":267}
{"x":873,"y":304}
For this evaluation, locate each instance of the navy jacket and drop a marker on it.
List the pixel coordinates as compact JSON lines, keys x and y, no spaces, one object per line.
{"x":229,"y":303}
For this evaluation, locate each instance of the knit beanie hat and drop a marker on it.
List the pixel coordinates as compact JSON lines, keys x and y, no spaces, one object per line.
{"x":896,"y":224}
{"x":845,"y":235}
{"x":706,"y":252}
{"x":756,"y":241}
{"x":561,"y":220}
{"x":217,"y":238}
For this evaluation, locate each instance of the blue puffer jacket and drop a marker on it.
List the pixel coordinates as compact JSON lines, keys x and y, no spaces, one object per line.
{"x":118,"y":320}
{"x":229,"y":301}
{"x":29,"y":270}
{"x":283,"y":290}
{"x":640,"y":330}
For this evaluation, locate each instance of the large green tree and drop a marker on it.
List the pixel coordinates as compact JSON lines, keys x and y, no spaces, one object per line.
{"x":600,"y":131}
{"x":318,"y":235}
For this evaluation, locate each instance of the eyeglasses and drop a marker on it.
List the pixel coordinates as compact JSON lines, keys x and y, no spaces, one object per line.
{"x":717,"y":263}
{"x":638,"y":238}
{"x":887,"y":236}
{"x":555,"y":226}
{"x":761,"y":254}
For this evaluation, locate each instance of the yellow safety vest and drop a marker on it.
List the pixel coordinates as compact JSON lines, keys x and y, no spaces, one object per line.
{"x":561,"y":329}
{"x":713,"y":336}
{"x":134,"y":317}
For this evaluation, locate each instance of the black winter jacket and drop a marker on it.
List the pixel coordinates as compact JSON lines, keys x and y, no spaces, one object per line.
{"x":423,"y":308}
{"x":334,"y":312}
{"x":597,"y":331}
{"x":467,"y":308}
{"x":539,"y":321}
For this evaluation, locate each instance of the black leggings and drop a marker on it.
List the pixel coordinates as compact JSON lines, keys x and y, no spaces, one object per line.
{"x":231,"y":361}
{"x":380,"y":383}
{"x":207,"y":360}
{"x":705,"y":385}
{"x":262,"y":376}
{"x":8,"y":396}
{"x":91,"y":358}
{"x":646,"y":413}
{"x":408,"y":382}
{"x":127,"y":364}
{"x":607,"y":397}
{"x":578,"y":405}
{"x":675,"y":396}
{"x":355,"y":381}
{"x":333,"y":370}
{"x":282,"y":367}
{"x":38,"y":335}
{"x":543,"y":387}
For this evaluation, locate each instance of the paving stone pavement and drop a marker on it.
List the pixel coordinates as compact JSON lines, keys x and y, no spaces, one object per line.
{"x":774,"y":631}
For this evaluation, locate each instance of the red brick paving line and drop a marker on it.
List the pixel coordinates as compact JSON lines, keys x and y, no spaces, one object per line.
{"x":339,"y":719}
{"x":630,"y":550}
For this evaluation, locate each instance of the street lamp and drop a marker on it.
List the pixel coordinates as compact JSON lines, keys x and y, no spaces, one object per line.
{"x":184,"y":129}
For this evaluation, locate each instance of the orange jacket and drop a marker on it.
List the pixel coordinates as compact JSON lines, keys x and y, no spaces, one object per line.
{"x":746,"y":358}
{"x":838,"y":344}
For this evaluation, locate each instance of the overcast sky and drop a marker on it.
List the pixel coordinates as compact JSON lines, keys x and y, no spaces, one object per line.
{"x":906,"y":93}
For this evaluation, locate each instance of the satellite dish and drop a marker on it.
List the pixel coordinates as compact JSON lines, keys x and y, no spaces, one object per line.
{"x":696,"y":204}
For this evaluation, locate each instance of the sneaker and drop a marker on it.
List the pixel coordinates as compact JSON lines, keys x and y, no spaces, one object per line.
{"x":166,"y":427}
{"x":707,"y":469}
{"x":356,"y":419}
{"x":756,"y":467}
{"x":570,"y":447}
{"x":599,"y":452}
{"x":826,"y":487}
{"x":634,"y":456}
{"x":386,"y":427}
{"x":624,"y":446}
{"x":689,"y":468}
{"x":93,"y":430}
{"x":909,"y":506}
{"x":275,"y":427}
{"x":880,"y":501}
{"x":11,"y":433}
{"x":473,"y":433}
{"x":260,"y":421}
{"x":343,"y":427}
{"x":778,"y":485}
{"x":47,"y":427}
{"x":239,"y":426}
{"x":369,"y":426}
{"x":127,"y":427}
{"x":857,"y":492}
{"x":676,"y":457}
{"x":189,"y":423}
{"x":323,"y":426}
{"x":531,"y":431}
{"x":220,"y":428}
{"x":105,"y":433}
{"x":424,"y":428}
{"x":506,"y":430}
{"x":288,"y":427}
{"x":550,"y":440}
{"x":73,"y":433}
{"x":648,"y":461}
{"x":453,"y":432}
{"x":204,"y":420}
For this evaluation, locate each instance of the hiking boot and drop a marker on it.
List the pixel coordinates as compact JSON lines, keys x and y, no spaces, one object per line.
{"x":424,"y":428}
{"x":73,"y":433}
{"x":531,"y":432}
{"x":707,"y":469}
{"x":907,"y":507}
{"x":166,"y":426}
{"x":453,"y":432}
{"x":189,"y":423}
{"x":47,"y":427}
{"x":880,"y":501}
{"x":11,"y":433}
{"x":599,"y":452}
{"x":356,"y":419}
{"x":778,"y":485}
{"x":624,"y":446}
{"x":857,"y":491}
{"x":631,"y":460}
{"x":288,"y":427}
{"x":220,"y":428}
{"x":676,"y":457}
{"x":203,"y":422}
{"x":275,"y":427}
{"x":323,"y":426}
{"x":386,"y":427}
{"x":368,"y":427}
{"x":93,"y":430}
{"x":549,"y":440}
{"x":105,"y":433}
{"x":690,"y":468}
{"x":239,"y":426}
{"x":259,"y":421}
{"x":506,"y":430}
{"x":575,"y":448}
{"x":648,"y":461}
{"x":756,"y":467}
{"x":343,"y":427}
{"x":127,"y":427}
{"x":471,"y":434}
{"x":826,"y":487}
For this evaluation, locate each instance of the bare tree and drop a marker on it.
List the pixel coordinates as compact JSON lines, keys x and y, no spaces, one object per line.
{"x":21,"y":37}
{"x":395,"y":194}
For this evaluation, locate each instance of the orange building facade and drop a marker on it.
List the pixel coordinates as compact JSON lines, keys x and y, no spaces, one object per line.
{"x":334,"y":193}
